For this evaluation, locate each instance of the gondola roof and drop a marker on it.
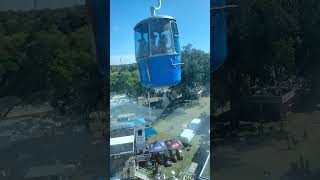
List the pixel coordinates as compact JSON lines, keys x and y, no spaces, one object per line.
{"x":153,"y":18}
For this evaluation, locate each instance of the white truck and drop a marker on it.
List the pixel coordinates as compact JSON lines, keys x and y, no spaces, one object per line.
{"x":194,"y":124}
{"x":186,"y":136}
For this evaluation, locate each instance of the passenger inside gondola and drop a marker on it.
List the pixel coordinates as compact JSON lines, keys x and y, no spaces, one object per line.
{"x":143,"y":48}
{"x":153,"y":44}
{"x":157,"y":45}
{"x":142,"y":41}
{"x":161,"y":37}
{"x":163,"y":44}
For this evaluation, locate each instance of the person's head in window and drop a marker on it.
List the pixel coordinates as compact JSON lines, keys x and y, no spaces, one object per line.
{"x":163,"y":43}
{"x":153,"y":43}
{"x":143,"y":47}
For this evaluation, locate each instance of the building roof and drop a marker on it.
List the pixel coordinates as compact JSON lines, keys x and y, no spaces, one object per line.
{"x":121,"y":132}
{"x":118,"y":97}
{"x":128,"y":115}
{"x":128,"y":124}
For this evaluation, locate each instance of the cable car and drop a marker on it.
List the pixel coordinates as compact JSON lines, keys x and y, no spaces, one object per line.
{"x":98,"y":13}
{"x":219,"y":36}
{"x":157,"y":51}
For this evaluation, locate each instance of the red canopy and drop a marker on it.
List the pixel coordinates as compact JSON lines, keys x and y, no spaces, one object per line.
{"x":173,"y":144}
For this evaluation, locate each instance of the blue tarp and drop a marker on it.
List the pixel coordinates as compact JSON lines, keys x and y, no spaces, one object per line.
{"x":128,"y":124}
{"x":157,"y":146}
{"x":148,"y":132}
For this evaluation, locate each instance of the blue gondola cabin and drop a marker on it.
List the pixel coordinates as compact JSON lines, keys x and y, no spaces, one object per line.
{"x":219,"y":35}
{"x":158,"y":52}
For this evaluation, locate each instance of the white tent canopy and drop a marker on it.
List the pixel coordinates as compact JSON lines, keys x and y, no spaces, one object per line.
{"x":186,"y":136}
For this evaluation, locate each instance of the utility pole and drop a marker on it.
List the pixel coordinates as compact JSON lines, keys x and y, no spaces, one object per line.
{"x":107,"y":115}
{"x":149,"y":105}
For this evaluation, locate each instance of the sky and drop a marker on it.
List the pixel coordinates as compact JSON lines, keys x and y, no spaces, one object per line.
{"x":192,"y":16}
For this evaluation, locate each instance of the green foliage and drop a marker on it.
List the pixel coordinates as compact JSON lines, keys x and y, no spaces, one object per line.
{"x":264,"y":37}
{"x":195,"y":71}
{"x":49,"y":51}
{"x":125,"y":79}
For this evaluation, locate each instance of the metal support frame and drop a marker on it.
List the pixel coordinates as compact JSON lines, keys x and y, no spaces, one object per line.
{"x":224,"y":7}
{"x":153,"y":9}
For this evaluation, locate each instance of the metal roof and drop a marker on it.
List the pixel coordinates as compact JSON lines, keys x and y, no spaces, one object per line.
{"x":153,"y":18}
{"x":121,"y":132}
{"x":128,"y":124}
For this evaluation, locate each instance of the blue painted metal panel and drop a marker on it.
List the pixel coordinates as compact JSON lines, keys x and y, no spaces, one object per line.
{"x":219,"y":36}
{"x":163,"y":70}
{"x":98,"y":11}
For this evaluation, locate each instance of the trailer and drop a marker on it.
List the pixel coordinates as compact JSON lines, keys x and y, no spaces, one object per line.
{"x":186,"y":136}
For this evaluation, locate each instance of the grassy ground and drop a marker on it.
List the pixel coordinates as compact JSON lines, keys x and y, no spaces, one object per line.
{"x":271,"y":153}
{"x":171,"y":126}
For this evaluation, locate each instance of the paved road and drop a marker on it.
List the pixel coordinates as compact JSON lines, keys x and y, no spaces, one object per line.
{"x":204,"y":149}
{"x":138,"y":110}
